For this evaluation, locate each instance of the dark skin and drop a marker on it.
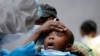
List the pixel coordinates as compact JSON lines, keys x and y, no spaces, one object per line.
{"x":49,"y":25}
{"x":56,"y":40}
{"x":82,"y":33}
{"x":91,"y":34}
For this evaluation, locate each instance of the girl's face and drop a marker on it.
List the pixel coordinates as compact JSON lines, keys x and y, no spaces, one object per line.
{"x":56,"y":40}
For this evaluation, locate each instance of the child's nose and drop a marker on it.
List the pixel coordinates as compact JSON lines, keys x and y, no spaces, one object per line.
{"x":51,"y":37}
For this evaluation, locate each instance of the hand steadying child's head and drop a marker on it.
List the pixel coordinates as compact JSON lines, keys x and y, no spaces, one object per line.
{"x":58,"y":40}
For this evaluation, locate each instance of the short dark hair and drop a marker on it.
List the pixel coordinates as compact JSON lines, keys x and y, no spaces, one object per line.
{"x":71,"y":37}
{"x":47,"y":12}
{"x":89,"y":26}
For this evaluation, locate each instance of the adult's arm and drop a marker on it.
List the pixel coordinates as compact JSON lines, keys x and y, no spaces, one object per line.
{"x":49,"y":25}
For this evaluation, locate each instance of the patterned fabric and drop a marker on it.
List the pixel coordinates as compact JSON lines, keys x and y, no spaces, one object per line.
{"x":84,"y":49}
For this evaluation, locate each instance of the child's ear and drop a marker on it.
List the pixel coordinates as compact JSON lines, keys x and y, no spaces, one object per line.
{"x":68,"y":47}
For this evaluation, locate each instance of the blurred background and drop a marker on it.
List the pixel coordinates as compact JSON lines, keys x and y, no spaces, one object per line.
{"x":74,"y":12}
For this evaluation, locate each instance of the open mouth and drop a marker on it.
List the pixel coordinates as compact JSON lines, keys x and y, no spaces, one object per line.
{"x":50,"y":46}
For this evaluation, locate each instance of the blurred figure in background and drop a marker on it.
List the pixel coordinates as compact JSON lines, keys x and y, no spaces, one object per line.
{"x":89,"y":32}
{"x":48,"y":13}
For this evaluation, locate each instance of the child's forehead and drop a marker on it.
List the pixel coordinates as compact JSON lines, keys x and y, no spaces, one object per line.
{"x":62,"y":32}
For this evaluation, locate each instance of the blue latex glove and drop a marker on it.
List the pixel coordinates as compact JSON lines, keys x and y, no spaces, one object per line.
{"x":26,"y":50}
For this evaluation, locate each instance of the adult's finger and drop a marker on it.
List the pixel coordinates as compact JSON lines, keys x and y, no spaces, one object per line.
{"x":58,"y":24}
{"x":56,"y":28}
